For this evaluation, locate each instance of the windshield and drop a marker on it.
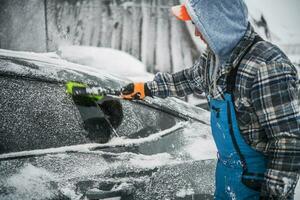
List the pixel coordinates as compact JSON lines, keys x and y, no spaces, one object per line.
{"x":36,"y":113}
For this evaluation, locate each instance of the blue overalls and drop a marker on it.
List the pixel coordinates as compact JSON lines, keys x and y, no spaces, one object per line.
{"x":238,"y":163}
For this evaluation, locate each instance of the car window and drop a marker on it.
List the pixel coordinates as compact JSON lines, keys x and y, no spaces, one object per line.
{"x":36,"y":113}
{"x":140,"y":121}
{"x":115,"y":117}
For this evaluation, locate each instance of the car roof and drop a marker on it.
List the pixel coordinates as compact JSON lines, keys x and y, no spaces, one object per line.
{"x":50,"y":67}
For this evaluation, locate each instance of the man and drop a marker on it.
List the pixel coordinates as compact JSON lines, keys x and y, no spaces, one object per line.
{"x":252,"y":89}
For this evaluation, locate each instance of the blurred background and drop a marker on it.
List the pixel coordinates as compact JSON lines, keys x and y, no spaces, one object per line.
{"x":143,"y":28}
{"x":131,"y":38}
{"x":146,"y":36}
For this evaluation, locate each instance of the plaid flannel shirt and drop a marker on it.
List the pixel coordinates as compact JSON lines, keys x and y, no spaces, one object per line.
{"x":266,"y":102}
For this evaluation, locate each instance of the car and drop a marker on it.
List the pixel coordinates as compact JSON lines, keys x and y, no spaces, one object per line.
{"x":57,"y":146}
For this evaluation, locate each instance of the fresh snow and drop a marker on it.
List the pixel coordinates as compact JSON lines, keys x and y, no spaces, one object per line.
{"x":94,"y":61}
{"x":30,"y":182}
{"x":110,"y":60}
{"x":87,"y":147}
{"x":185,"y":192}
{"x":191,"y":135}
{"x":152,"y":161}
{"x":54,"y":61}
{"x":202,"y":149}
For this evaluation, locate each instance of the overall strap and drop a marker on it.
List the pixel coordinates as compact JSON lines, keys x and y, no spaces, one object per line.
{"x":231,"y":79}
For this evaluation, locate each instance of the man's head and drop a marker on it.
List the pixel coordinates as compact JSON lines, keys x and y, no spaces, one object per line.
{"x":222,"y":24}
{"x":181,"y":13}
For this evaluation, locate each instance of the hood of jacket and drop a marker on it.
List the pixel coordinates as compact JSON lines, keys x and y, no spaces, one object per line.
{"x":222,"y":23}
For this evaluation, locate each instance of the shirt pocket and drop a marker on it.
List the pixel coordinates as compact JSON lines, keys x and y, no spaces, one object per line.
{"x":246,"y":116}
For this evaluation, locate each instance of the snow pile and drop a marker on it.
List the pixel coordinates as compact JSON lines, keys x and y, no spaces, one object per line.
{"x":31,"y":182}
{"x":70,"y":192}
{"x":200,"y":143}
{"x":153,"y":137}
{"x":185,"y":192}
{"x":151,"y":161}
{"x":113,"y":61}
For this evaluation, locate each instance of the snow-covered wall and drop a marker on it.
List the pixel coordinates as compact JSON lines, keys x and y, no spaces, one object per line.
{"x":143,"y":28}
{"x":22,"y":25}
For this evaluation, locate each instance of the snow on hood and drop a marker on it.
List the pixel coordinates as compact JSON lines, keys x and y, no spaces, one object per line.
{"x":30,"y":182}
{"x":111,"y":60}
{"x":222,"y":23}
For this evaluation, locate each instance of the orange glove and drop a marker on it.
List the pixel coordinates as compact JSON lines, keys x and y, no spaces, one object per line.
{"x":135,"y":91}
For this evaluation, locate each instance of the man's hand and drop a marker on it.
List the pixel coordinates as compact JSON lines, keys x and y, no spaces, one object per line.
{"x":135,"y":91}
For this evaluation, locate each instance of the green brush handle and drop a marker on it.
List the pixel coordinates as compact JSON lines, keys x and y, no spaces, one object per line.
{"x":82,"y":89}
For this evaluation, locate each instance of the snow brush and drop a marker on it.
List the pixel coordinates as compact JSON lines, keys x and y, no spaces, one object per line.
{"x":82,"y":89}
{"x":97,"y":93}
{"x":90,"y":95}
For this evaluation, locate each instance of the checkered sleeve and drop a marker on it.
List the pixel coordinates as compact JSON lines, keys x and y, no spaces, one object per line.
{"x":275,"y":99}
{"x":181,"y":83}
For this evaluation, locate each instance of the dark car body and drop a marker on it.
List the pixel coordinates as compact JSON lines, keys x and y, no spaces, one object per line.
{"x":52,"y":147}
